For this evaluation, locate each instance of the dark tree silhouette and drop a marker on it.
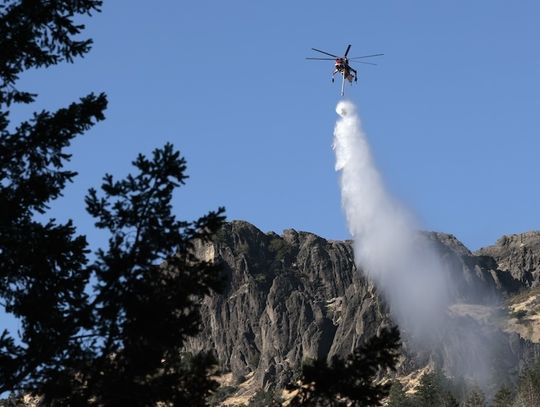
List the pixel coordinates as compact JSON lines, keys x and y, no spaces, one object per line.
{"x":42,"y":265}
{"x":36,"y":34}
{"x":397,"y":396}
{"x":448,"y":400}
{"x":435,"y":390}
{"x":351,"y":381}
{"x":148,"y":291}
{"x":528,"y":386}
{"x":111,"y":332}
{"x":503,"y":398}
{"x":430,"y":390}
{"x":475,"y":398}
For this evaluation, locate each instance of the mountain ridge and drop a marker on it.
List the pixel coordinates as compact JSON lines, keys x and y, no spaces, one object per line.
{"x":298,"y":296}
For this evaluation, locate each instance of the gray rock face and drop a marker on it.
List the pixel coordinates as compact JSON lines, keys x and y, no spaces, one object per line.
{"x":518,"y":255}
{"x":298,"y":296}
{"x":287,"y":298}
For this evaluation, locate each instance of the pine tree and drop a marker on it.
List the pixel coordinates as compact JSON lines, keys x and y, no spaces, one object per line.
{"x":435,"y":390}
{"x":108,"y":333}
{"x":149,"y":288}
{"x":475,"y":398}
{"x":42,"y":264}
{"x":429,"y":392}
{"x":528,"y":389}
{"x":397,"y":396}
{"x":350,"y":381}
{"x":448,"y":400}
{"x":503,"y":398}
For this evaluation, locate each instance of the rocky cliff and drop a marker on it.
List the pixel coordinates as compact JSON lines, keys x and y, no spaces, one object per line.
{"x":298,"y":296}
{"x":518,"y":255}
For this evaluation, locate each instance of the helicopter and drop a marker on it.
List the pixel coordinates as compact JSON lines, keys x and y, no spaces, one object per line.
{"x":343,"y":67}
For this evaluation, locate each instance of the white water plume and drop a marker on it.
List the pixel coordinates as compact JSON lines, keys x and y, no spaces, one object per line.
{"x":386,"y":243}
{"x":406,"y":269}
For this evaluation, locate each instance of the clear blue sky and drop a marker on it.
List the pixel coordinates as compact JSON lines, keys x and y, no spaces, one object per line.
{"x":452,"y":110}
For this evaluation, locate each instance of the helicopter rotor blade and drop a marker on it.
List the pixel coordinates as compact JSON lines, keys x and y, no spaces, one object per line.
{"x":324,"y":52}
{"x":362,"y":62}
{"x":347,"y":50}
{"x":366,"y":56}
{"x":322,"y":59}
